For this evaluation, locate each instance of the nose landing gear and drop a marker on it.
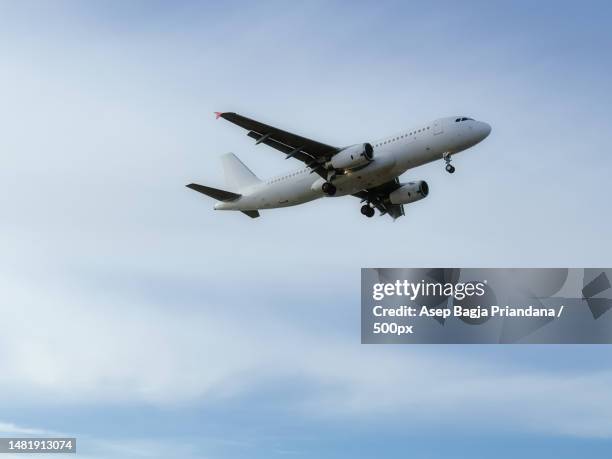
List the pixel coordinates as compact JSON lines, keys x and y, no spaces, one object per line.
{"x":447,"y":159}
{"x":367,"y":210}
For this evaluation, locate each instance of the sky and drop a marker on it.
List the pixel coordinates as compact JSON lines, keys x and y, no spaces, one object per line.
{"x":139,"y":320}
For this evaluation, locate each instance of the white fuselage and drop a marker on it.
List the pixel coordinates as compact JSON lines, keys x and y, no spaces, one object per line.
{"x":392,"y":157}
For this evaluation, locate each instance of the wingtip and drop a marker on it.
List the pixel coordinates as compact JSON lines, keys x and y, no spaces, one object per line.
{"x":218,"y":115}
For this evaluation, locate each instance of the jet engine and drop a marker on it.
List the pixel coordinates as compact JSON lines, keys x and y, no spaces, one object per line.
{"x":409,"y":192}
{"x":352,"y":157}
{"x":323,"y":185}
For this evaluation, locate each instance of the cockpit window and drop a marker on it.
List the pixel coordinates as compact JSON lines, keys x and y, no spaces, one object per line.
{"x":457,"y":120}
{"x":464,"y":119}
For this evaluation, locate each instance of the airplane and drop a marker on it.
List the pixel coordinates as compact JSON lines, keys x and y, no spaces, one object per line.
{"x":369,"y":171}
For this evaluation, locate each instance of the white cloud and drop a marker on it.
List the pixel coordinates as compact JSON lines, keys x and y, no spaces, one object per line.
{"x":90,"y":447}
{"x":14,"y":429}
{"x":67,"y":345}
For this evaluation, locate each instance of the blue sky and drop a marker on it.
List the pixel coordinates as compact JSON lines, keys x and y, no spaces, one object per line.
{"x":148,"y":325}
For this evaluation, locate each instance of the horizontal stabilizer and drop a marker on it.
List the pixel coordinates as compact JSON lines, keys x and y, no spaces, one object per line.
{"x":251,"y":213}
{"x":215,"y":193}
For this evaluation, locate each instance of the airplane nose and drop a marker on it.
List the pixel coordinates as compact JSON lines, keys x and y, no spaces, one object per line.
{"x":485,"y":129}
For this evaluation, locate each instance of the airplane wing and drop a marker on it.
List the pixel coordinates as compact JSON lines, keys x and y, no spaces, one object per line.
{"x":379,"y":196}
{"x":314,"y":154}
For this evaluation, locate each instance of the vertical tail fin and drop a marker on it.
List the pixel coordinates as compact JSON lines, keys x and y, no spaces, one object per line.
{"x":237,"y":175}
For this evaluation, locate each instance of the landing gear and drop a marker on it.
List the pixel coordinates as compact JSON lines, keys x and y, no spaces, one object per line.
{"x":328,"y":189}
{"x":367,"y":211}
{"x":447,"y":159}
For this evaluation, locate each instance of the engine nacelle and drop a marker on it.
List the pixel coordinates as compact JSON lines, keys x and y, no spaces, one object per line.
{"x":324,"y":186}
{"x":409,"y":192}
{"x":353,"y":157}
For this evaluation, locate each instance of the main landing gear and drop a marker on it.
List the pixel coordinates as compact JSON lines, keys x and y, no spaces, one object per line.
{"x":329,"y":189}
{"x":367,"y":210}
{"x":447,"y":159}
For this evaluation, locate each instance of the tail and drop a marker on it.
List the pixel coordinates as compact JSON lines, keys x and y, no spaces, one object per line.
{"x":221,"y":195}
{"x":237,"y":175}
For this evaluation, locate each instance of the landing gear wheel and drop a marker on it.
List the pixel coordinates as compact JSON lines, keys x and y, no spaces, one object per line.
{"x":328,"y":189}
{"x":367,"y":211}
{"x":447,"y":159}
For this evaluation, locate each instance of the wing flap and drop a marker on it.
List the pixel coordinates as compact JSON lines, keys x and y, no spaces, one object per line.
{"x":295,"y":152}
{"x":264,"y":133}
